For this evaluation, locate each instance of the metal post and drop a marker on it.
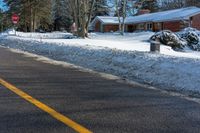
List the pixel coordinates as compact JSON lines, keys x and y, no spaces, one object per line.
{"x":15,"y":30}
{"x":155,"y":46}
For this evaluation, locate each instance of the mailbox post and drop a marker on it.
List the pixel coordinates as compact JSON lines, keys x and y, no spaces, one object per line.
{"x":155,"y":46}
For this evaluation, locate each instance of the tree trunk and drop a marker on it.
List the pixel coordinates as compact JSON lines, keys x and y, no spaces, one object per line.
{"x":34,"y":21}
{"x":118,"y":15}
{"x":31,"y":19}
{"x":82,"y":13}
{"x":124,"y":16}
{"x":73,"y":5}
{"x":83,"y":17}
{"x":89,"y":17}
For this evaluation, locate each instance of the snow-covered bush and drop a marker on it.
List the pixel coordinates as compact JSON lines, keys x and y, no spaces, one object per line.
{"x":190,"y":29}
{"x":187,"y":37}
{"x":168,"y":38}
{"x":191,"y":36}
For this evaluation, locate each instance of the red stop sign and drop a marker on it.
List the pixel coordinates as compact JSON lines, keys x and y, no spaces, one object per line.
{"x":15,"y":18}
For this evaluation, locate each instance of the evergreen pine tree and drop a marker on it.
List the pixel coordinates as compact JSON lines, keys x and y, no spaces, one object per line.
{"x":61,"y":14}
{"x":101,"y":8}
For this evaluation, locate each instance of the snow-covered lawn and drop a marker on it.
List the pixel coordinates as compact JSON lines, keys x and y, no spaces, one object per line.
{"x":125,"y":56}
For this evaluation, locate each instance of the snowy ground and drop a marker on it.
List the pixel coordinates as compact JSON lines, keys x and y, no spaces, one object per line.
{"x":127,"y":57}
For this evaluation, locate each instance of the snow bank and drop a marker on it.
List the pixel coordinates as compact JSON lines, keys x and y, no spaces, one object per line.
{"x":53,"y":35}
{"x":127,"y":57}
{"x":36,"y":35}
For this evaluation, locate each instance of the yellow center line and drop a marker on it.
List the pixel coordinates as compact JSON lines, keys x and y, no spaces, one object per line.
{"x":77,"y":127}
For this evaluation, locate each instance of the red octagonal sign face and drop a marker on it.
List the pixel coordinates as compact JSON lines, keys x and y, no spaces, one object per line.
{"x":15,"y":18}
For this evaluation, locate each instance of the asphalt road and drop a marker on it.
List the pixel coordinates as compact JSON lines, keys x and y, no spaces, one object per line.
{"x":101,"y":105}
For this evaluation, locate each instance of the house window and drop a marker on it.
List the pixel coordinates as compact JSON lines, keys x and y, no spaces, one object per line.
{"x":149,"y":26}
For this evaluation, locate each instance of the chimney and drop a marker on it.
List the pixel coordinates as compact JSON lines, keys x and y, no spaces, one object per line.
{"x":143,"y":11}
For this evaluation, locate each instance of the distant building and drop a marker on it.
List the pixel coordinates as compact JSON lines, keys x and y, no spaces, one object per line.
{"x":173,"y":20}
{"x":105,"y":24}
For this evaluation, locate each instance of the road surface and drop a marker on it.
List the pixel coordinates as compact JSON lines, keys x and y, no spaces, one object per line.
{"x":41,"y":97}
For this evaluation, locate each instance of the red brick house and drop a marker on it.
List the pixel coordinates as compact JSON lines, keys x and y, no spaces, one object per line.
{"x":105,"y":24}
{"x":173,"y":20}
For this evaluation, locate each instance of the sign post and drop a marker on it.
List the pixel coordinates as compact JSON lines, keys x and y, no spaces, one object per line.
{"x":15,"y":20}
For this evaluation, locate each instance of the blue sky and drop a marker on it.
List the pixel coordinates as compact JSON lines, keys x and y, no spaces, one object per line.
{"x":2,"y":5}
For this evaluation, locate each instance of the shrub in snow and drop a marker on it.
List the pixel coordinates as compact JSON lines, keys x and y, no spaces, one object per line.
{"x":190,"y":29}
{"x":195,"y":47}
{"x":191,"y":35}
{"x":168,"y":38}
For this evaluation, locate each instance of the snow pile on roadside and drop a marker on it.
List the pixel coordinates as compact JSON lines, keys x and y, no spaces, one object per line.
{"x":127,"y":57}
{"x":36,"y":35}
{"x":11,"y":32}
{"x":8,"y":32}
{"x":53,"y":35}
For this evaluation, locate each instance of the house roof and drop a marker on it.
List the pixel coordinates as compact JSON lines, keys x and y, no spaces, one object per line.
{"x":177,"y":14}
{"x":107,"y":19}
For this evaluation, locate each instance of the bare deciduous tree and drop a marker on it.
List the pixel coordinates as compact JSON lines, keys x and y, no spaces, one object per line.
{"x":82,"y":14}
{"x":121,"y":8}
